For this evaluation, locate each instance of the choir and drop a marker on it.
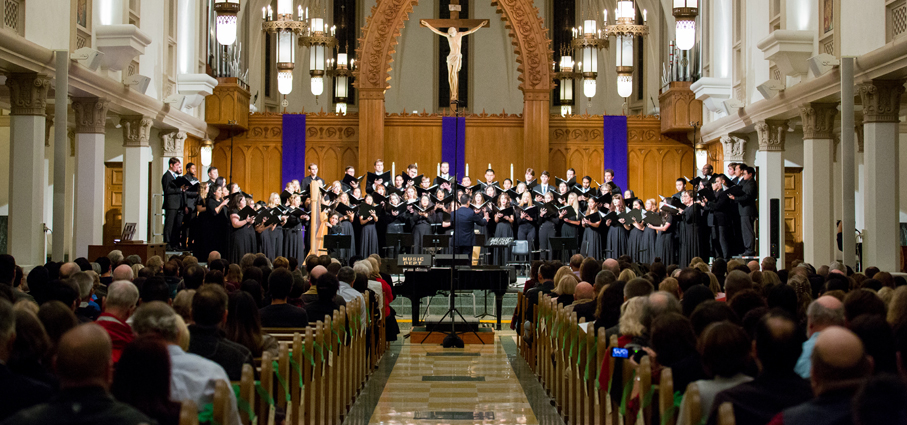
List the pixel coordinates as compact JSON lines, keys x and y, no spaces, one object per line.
{"x":389,"y":215}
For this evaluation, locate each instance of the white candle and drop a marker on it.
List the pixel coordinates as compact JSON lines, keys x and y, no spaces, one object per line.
{"x":489,"y":165}
{"x":393,"y":169}
{"x":467,"y":168}
{"x":511,"y":172}
{"x":439,"y":169}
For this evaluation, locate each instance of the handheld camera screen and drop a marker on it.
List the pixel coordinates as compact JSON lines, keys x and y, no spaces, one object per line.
{"x":620,"y":353}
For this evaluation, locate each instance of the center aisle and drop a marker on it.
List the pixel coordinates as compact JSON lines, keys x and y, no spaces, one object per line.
{"x":429,"y":384}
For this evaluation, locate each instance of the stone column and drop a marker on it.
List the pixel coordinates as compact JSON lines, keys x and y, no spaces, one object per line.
{"x":371,"y":128}
{"x":734,"y":149}
{"x":536,"y":112}
{"x":91,"y":117}
{"x":881,"y":106}
{"x":770,"y":160}
{"x":136,"y":156}
{"x":28,"y":101}
{"x":818,"y":177}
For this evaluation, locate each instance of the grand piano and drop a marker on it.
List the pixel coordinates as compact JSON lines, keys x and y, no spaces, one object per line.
{"x":418,"y":284}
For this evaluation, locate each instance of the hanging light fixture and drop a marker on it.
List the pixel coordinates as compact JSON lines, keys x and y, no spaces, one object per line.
{"x":318,"y":36}
{"x":685,"y":12}
{"x":588,"y":39}
{"x":625,"y":30}
{"x":341,"y":69}
{"x":206,"y":151}
{"x":566,"y":76}
{"x":226,"y":11}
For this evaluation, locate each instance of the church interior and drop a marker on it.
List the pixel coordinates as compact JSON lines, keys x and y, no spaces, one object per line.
{"x":635,"y":100}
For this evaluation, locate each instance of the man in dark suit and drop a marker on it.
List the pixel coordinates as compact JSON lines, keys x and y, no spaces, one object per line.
{"x":465,"y":220}
{"x":720,"y":218}
{"x":174,"y":203}
{"x":746,"y":205}
{"x":609,"y":178}
{"x":190,"y":200}
{"x":313,"y":175}
{"x":212,"y":177}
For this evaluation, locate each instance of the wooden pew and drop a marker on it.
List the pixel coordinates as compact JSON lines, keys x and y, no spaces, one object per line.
{"x":246,"y":394}
{"x":666,"y":409}
{"x":726,"y":414}
{"x":693,"y":409}
{"x":188,"y":413}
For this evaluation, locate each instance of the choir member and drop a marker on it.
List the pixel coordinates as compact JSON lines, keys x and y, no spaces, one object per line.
{"x":293,"y":238}
{"x":173,"y":204}
{"x":649,"y":235}
{"x":664,"y":241}
{"x":489,"y":177}
{"x":217,"y":222}
{"x":746,"y":204}
{"x":410,"y":196}
{"x":420,"y":222}
{"x":190,"y":202}
{"x":369,"y":234}
{"x":313,"y":176}
{"x":212,"y":178}
{"x":572,"y":223}
{"x":272,"y":236}
{"x":507,"y":184}
{"x":720,"y":217}
{"x":530,"y":179}
{"x":398,"y":183}
{"x":243,"y":237}
{"x":543,"y":186}
{"x":526,"y":221}
{"x":618,"y":230}
{"x":346,"y":222}
{"x":521,"y":188}
{"x":196,"y":225}
{"x":503,"y":227}
{"x":635,"y":238}
{"x":689,"y":230}
{"x":562,"y":190}
{"x":592,"y":242}
{"x":609,"y":178}
{"x":547,"y":227}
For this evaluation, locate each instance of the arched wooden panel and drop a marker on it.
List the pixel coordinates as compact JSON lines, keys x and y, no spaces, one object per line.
{"x":671,"y":171}
{"x":330,"y":164}
{"x":652,"y":166}
{"x":351,"y":158}
{"x":577,"y":162}
{"x":274,"y":168}
{"x":255,"y":182}
{"x":557,"y":163}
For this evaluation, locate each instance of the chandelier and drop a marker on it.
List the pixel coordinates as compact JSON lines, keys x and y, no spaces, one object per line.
{"x":225,"y":21}
{"x":312,"y":31}
{"x":685,"y":12}
{"x":625,"y":30}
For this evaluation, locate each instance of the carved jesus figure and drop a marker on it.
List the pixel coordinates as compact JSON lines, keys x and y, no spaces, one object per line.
{"x":455,"y":58}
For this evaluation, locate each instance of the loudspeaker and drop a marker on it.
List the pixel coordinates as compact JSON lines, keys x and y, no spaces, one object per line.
{"x":775,"y":226}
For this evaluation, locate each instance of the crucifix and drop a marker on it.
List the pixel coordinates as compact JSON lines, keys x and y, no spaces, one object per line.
{"x":455,"y":40}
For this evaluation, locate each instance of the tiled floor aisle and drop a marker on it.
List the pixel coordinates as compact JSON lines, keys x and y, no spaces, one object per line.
{"x":432,"y":385}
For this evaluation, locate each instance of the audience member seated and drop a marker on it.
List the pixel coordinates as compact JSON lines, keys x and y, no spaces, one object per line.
{"x":584,"y":303}
{"x":839,"y":367}
{"x":123,"y":272}
{"x":822,"y":313}
{"x":84,"y":367}
{"x":725,"y":350}
{"x":244,"y":325}
{"x":608,"y":305}
{"x":194,"y":277}
{"x":209,"y":312}
{"x":17,"y":392}
{"x":863,"y":301}
{"x":777,"y":387}
{"x":142,"y":380}
{"x":85,"y":283}
{"x":881,"y":400}
{"x":566,"y":286}
{"x":192,"y":377}
{"x":57,"y":319}
{"x":280,"y":314}
{"x":327,"y":288}
{"x":878,"y":342}
{"x":122,"y":297}
{"x":711,"y":312}
{"x":673,"y":345}
{"x":155,"y":289}
{"x":545,"y":285}
{"x":346,"y":276}
{"x":31,"y":354}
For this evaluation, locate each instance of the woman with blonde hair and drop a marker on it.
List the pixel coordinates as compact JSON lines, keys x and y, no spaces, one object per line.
{"x":714,"y":286}
{"x":272,"y":236}
{"x":566,"y":287}
{"x":626,"y":275}
{"x":561,"y":272}
{"x":630,"y":324}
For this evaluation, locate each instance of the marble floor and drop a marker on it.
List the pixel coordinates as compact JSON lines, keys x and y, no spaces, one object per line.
{"x":478,"y":384}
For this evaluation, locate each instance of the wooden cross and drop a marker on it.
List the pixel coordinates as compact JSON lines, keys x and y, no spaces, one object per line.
{"x":455,"y":20}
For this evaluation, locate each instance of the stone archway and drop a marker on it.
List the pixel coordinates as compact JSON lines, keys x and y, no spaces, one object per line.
{"x":533,"y":54}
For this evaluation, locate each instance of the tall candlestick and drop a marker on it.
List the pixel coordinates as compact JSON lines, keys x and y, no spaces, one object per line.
{"x":467,"y":168}
{"x":393,"y":170}
{"x":439,"y":170}
{"x":511,"y":172}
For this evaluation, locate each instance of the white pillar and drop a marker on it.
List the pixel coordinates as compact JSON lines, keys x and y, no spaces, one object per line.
{"x":881,"y":106}
{"x":28,"y":94}
{"x":818,"y":144}
{"x":91,"y":117}
{"x":136,"y":156}
{"x":770,"y":160}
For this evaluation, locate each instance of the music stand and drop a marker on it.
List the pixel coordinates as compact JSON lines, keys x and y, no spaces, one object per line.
{"x":563,"y":245}
{"x":435,"y":241}
{"x":399,"y":240}
{"x":338,"y":242}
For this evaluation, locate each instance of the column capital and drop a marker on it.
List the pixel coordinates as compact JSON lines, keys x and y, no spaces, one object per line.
{"x":881,"y":100}
{"x":27,"y":93}
{"x":91,"y":114}
{"x":173,"y":143}
{"x":136,"y":130}
{"x":818,"y":120}
{"x":734,"y":148}
{"x":771,"y":135}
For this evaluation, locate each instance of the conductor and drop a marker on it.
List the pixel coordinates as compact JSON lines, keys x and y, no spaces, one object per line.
{"x":465,"y":219}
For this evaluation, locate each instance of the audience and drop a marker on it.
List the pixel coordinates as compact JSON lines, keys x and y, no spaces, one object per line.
{"x":142,"y":380}
{"x":822,"y":313}
{"x":17,"y":392}
{"x":584,"y":302}
{"x":244,"y":325}
{"x":327,"y":288}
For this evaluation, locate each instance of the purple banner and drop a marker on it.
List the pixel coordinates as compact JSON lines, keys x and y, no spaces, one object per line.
{"x":453,"y":144}
{"x":293,"y":148}
{"x":615,"y":155}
